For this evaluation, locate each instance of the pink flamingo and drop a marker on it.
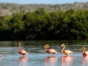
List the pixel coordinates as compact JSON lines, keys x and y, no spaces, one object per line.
{"x":49,"y":50}
{"x":20,"y":51}
{"x":85,"y":53}
{"x":66,"y":52}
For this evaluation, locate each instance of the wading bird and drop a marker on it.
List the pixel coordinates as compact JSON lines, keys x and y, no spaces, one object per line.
{"x":84,"y":52}
{"x":66,"y":52}
{"x":49,"y":50}
{"x":21,"y":51}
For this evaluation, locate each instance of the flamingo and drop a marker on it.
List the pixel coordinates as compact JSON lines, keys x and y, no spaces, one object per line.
{"x":49,"y":50}
{"x":21,"y":51}
{"x":66,"y":52}
{"x":85,"y":53}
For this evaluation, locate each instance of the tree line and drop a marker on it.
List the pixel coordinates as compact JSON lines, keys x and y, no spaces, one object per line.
{"x":10,"y":8}
{"x":44,"y":25}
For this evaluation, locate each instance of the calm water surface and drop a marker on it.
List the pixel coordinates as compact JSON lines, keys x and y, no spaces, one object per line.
{"x":37,"y":55}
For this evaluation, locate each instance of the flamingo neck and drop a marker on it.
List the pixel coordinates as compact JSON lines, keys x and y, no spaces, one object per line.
{"x":46,"y":47}
{"x":19,"y":48}
{"x":83,"y":50}
{"x":63,"y":48}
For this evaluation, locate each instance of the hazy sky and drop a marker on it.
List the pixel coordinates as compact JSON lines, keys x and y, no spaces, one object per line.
{"x":41,"y":1}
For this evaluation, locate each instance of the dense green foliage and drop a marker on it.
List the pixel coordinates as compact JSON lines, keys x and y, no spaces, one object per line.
{"x":41,"y":25}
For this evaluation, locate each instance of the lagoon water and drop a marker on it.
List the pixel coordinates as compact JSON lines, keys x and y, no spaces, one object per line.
{"x":37,"y":55}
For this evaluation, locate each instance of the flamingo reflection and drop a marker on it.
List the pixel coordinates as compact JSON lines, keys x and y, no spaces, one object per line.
{"x":51,"y":61}
{"x":22,"y":61}
{"x":67,"y":60}
{"x":84,"y":60}
{"x":0,"y":60}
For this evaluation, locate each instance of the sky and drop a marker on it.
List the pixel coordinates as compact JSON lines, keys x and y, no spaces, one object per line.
{"x":41,"y":1}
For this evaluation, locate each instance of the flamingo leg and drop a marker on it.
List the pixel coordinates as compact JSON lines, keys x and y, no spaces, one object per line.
{"x":67,"y":54}
{"x":51,"y":54}
{"x":23,"y":55}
